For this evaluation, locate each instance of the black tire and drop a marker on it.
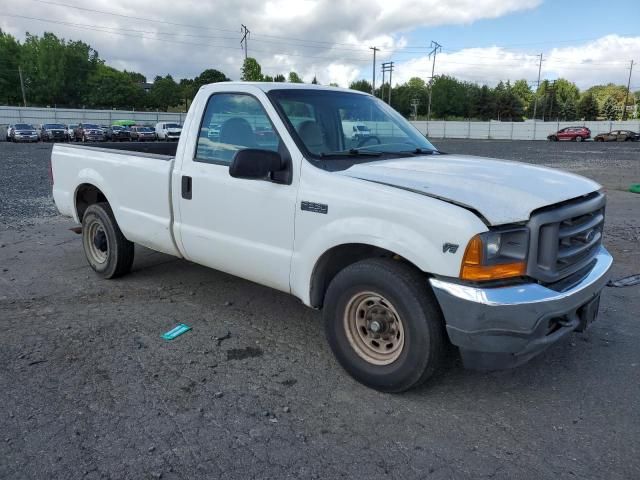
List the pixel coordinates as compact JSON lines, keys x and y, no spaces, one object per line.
{"x":407,"y":291}
{"x":579,"y":138}
{"x":100,"y":231}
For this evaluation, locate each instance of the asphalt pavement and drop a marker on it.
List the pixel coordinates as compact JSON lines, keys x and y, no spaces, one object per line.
{"x":90,"y":390}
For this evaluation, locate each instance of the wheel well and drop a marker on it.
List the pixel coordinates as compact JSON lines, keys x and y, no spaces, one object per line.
{"x":336,"y":259}
{"x":87,"y":195}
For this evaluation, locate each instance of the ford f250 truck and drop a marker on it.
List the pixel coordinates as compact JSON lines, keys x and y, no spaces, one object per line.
{"x":405,"y":249}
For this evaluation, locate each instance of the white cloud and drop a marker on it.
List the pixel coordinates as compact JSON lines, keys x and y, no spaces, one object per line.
{"x":325,"y":38}
{"x":600,"y":61}
{"x":332,"y":37}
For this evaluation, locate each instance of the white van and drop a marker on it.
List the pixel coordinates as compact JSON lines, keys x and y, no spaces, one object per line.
{"x":168,"y":131}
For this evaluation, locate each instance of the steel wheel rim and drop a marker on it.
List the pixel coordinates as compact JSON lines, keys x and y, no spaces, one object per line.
{"x":373,"y":328}
{"x":95,"y":237}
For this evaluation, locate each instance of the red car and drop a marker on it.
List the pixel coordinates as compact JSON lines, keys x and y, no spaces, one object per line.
{"x":570,"y":134}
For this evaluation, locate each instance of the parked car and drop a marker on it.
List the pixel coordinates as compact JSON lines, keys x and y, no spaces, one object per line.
{"x":70,"y":129}
{"x":401,"y":260}
{"x":168,"y":131}
{"x":572,"y":134}
{"x":618,"y":136}
{"x":53,"y":132}
{"x":142,"y":134}
{"x":118,"y":133}
{"x":88,"y":132}
{"x":23,"y":132}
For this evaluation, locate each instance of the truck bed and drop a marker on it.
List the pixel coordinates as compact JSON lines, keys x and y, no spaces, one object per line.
{"x":136,"y":184}
{"x":159,"y":148}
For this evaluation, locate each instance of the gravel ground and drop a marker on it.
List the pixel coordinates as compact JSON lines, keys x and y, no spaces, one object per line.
{"x":91,"y":391}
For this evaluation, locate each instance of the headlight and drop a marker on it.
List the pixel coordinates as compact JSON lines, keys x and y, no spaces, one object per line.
{"x":495,"y":255}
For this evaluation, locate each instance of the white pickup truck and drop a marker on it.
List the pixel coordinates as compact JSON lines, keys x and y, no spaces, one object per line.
{"x":406,"y":249}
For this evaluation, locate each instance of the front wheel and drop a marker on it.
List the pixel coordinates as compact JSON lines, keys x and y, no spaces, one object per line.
{"x":108,"y":252}
{"x":579,"y":138}
{"x":384,"y":324}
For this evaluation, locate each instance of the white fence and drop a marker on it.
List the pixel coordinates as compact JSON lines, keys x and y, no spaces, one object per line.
{"x":528,"y":130}
{"x":514,"y":130}
{"x":10,"y":115}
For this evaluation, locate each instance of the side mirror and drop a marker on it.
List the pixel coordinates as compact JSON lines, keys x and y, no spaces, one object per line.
{"x":255,"y":163}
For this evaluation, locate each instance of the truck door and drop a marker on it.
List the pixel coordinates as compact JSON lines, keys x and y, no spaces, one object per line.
{"x":240,"y":226}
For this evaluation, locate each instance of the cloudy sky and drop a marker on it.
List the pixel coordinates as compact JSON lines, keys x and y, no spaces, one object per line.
{"x":482,"y":40}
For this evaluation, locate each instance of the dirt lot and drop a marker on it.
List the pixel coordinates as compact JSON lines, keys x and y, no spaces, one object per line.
{"x":91,"y":391}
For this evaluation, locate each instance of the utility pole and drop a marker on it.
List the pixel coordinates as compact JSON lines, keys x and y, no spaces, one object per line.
{"x":387,"y":67}
{"x":535,"y":103}
{"x":24,"y":97}
{"x":245,"y":39}
{"x":435,"y":48}
{"x":373,"y":79}
{"x":415,"y":101}
{"x":626,"y":96}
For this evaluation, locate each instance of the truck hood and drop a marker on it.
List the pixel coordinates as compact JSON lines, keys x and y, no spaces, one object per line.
{"x":500,"y":191}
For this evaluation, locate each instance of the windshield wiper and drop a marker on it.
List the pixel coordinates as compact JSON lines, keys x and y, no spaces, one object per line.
{"x":354,"y":152}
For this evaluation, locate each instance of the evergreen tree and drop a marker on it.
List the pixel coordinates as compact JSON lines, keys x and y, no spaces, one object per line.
{"x":588,"y":107}
{"x":361,"y":86}
{"x":610,"y":109}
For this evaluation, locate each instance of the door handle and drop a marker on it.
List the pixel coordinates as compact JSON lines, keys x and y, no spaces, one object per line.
{"x":187,"y":193}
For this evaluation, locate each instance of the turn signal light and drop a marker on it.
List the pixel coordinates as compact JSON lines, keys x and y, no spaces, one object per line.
{"x":474,"y":268}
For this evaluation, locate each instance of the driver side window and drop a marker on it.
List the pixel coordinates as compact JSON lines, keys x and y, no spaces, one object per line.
{"x":233,"y":122}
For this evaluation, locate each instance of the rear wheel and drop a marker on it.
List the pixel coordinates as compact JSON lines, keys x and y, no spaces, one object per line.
{"x":108,"y":252}
{"x":384,"y":324}
{"x":579,"y":138}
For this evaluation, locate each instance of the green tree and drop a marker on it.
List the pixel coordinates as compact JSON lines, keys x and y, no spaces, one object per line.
{"x":588,"y":107}
{"x":208,"y":76}
{"x":251,"y":70}
{"x":610,"y":109}
{"x":165,"y":93}
{"x":267,"y":78}
{"x":447,"y":98}
{"x":111,"y":88}
{"x":280,"y":78}
{"x":523,"y":91}
{"x":56,"y":72}
{"x":509,"y":106}
{"x":361,"y":86}
{"x":294,"y":78}
{"x":569,"y":110}
{"x":314,"y":81}
{"x":9,"y":76}
{"x":484,"y":107}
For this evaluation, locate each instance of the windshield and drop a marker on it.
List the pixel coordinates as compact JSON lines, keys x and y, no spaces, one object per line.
{"x":173,"y":125}
{"x":53,"y":125}
{"x":144,"y":129}
{"x":90,"y":125}
{"x":323,"y":122}
{"x":23,"y":126}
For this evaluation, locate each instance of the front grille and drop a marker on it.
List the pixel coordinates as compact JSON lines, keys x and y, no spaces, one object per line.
{"x":565,"y":237}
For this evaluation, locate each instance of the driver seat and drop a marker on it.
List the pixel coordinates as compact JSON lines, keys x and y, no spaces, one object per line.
{"x":312,"y":136}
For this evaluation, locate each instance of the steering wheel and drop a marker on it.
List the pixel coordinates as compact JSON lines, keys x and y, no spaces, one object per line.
{"x":364,"y":140}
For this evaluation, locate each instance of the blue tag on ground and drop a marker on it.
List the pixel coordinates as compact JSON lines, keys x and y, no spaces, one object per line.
{"x":176,"y":332}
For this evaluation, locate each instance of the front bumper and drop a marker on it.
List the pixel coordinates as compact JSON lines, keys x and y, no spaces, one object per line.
{"x":503,"y":327}
{"x":26,"y":138}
